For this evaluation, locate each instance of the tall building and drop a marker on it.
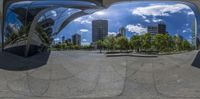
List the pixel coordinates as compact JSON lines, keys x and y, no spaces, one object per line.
{"x":63,"y":39}
{"x":99,"y":30}
{"x":194,"y":32}
{"x":76,"y":39}
{"x":68,"y":41}
{"x":152,"y":30}
{"x":160,"y":28}
{"x":122,"y":31}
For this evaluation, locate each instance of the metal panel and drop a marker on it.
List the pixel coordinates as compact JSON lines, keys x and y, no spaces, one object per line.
{"x":1,"y":20}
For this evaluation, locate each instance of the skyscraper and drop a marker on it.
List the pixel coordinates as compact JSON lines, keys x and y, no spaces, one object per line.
{"x":160,"y":28}
{"x":63,"y":39}
{"x":194,"y":32}
{"x":122,"y":31}
{"x":76,"y":39}
{"x":99,"y":30}
{"x":152,"y":30}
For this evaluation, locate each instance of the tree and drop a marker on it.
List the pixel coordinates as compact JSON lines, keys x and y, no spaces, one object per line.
{"x":122,"y":42}
{"x":178,"y":44}
{"x":135,"y":42}
{"x":166,"y":42}
{"x":171,"y":44}
{"x":110,"y":42}
{"x":100,"y":45}
{"x":186,"y":45}
{"x":146,"y":41}
{"x":162,"y":42}
{"x":64,"y":46}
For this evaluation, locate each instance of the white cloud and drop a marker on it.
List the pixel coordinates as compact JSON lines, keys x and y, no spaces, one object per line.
{"x":158,"y":10}
{"x":84,"y":19}
{"x":56,"y":39}
{"x":54,"y":13}
{"x":187,"y":25}
{"x":146,"y":20}
{"x":136,"y":29}
{"x":157,"y":20}
{"x":190,"y":13}
{"x":84,"y":40}
{"x":100,"y":13}
{"x":187,"y":30}
{"x":112,"y":33}
{"x":70,"y":11}
{"x":84,"y":30}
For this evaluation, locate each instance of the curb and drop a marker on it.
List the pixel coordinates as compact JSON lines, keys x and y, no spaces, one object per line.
{"x":123,"y":55}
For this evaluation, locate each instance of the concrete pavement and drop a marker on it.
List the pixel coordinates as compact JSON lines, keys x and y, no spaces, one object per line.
{"x":89,"y":75}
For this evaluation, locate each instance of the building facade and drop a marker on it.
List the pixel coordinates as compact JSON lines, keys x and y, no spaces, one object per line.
{"x":122,"y":31}
{"x":99,"y":30}
{"x":76,"y":39}
{"x":159,"y":28}
{"x":69,"y":41}
{"x":152,"y":30}
{"x":162,"y":28}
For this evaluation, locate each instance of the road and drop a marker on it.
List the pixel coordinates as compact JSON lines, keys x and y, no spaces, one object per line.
{"x":89,"y":75}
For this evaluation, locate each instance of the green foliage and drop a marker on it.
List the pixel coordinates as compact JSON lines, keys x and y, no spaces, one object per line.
{"x":135,"y":43}
{"x":186,"y":45}
{"x":87,"y":47}
{"x":122,"y":42}
{"x":43,"y":35}
{"x":146,"y":42}
{"x":109,"y":42}
{"x":100,"y":45}
{"x":15,"y":36}
{"x":163,"y":42}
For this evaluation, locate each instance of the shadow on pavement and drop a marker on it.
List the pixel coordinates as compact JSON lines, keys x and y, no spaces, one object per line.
{"x":196,"y":62}
{"x":13,"y":62}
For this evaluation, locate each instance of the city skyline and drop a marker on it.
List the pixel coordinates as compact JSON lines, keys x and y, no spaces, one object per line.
{"x":136,"y":22}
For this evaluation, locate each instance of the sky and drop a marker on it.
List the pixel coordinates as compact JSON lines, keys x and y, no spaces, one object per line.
{"x":135,"y":17}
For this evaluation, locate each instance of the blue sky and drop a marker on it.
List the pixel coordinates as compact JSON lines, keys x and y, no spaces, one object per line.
{"x":135,"y":17}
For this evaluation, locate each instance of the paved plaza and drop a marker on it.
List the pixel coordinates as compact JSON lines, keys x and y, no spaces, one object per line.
{"x":90,"y":75}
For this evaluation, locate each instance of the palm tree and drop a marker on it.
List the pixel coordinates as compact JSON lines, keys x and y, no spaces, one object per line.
{"x":147,"y":41}
{"x":122,"y":42}
{"x":162,"y":42}
{"x":110,"y":42}
{"x":135,"y":42}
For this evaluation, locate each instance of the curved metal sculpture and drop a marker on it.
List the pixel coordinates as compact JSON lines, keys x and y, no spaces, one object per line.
{"x":30,"y":41}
